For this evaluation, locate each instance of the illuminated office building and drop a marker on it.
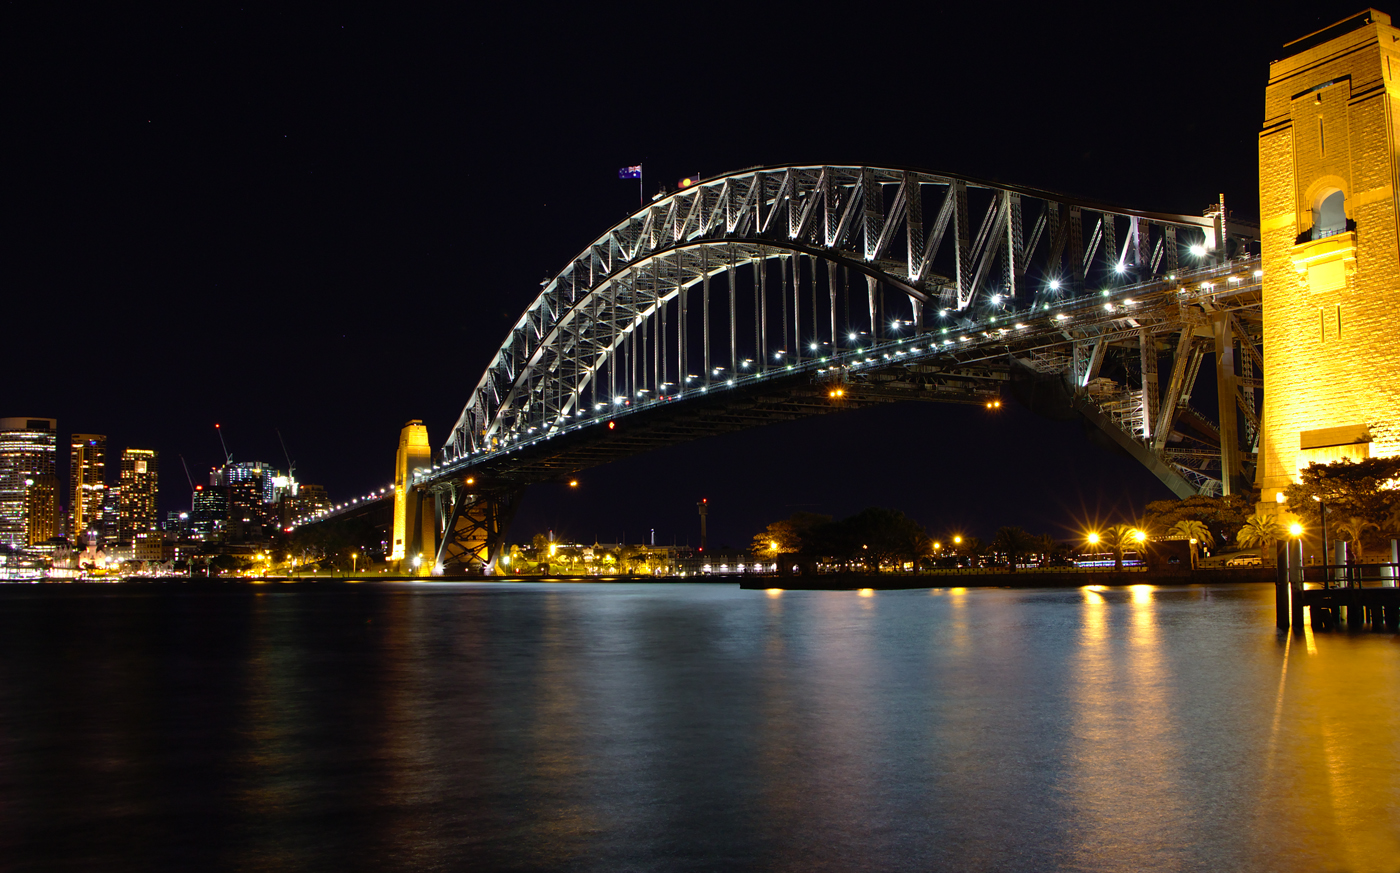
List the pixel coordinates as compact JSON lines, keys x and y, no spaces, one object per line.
{"x":110,"y":528}
{"x":140,"y":483}
{"x":311,"y":499}
{"x":28,"y":481}
{"x":209,"y":512}
{"x":87,"y":482}
{"x":252,"y":486}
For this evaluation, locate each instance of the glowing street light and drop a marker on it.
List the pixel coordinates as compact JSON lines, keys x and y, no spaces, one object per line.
{"x":1295,"y":529}
{"x":1093,"y":538}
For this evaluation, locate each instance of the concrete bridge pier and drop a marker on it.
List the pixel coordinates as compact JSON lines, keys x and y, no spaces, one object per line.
{"x":414,"y":526}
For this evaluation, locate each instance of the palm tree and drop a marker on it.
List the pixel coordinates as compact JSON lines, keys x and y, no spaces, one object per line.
{"x":1352,"y":530}
{"x":1119,"y":537}
{"x":1261,"y":530}
{"x":1015,"y":542}
{"x":1197,"y":533}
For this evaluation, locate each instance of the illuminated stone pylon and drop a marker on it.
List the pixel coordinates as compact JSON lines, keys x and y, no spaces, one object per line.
{"x":1327,"y":199}
{"x":413,"y":511}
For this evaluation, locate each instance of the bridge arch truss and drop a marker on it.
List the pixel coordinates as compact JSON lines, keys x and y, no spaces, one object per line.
{"x":761,"y":271}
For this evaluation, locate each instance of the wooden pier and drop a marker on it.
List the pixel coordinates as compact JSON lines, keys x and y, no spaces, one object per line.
{"x":1359,"y":596}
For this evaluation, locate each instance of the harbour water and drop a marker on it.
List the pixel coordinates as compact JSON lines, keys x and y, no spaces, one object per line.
{"x":689,"y":727}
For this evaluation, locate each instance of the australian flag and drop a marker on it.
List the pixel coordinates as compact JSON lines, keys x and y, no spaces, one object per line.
{"x":630,"y":172}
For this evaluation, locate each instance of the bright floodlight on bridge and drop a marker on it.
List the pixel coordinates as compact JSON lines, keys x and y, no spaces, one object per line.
{"x":1198,"y":250}
{"x":1120,"y":267}
{"x":1054,"y":286}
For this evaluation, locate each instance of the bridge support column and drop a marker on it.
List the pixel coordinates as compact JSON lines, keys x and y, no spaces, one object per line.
{"x":474,"y":528}
{"x":1329,"y":214}
{"x":1226,"y":386}
{"x":413,"y":526}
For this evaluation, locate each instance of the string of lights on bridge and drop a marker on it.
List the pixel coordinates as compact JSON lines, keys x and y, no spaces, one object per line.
{"x":337,"y":509}
{"x":940,"y":339}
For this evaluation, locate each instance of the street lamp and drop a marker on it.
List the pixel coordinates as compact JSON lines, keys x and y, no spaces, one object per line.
{"x":354,"y":563}
{"x":1093,"y":538}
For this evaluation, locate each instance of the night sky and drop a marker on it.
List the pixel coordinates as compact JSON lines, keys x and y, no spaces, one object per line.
{"x":326,"y":222}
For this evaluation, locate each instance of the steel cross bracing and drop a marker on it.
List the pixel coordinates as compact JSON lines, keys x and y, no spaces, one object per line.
{"x":724,"y":281}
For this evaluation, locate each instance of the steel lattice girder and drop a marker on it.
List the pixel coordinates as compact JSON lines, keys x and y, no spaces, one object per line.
{"x":843,"y":214}
{"x":474,"y":523}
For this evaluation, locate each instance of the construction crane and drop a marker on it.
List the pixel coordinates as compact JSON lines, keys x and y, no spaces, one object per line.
{"x":291,"y":465}
{"x":228,"y":458}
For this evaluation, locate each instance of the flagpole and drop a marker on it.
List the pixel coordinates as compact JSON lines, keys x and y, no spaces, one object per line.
{"x":640,"y":195}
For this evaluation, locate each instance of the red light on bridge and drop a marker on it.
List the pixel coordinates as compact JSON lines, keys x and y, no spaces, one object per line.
{"x":612,"y":425}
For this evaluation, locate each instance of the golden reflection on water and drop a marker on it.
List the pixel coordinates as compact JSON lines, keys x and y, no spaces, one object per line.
{"x":1122,"y":745}
{"x":1283,"y":748}
{"x":1332,"y":789}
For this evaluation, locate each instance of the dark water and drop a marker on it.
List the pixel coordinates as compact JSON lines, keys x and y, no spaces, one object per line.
{"x":694,"y":727}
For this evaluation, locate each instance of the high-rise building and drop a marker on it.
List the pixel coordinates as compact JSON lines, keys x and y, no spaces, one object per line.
{"x":139,"y":486}
{"x":87,"y":480}
{"x":311,"y":499}
{"x":209,"y":512}
{"x":251,"y":487}
{"x":110,"y":528}
{"x":28,"y":481}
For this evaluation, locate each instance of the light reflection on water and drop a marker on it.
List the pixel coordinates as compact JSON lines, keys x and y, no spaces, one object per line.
{"x":559,"y":727}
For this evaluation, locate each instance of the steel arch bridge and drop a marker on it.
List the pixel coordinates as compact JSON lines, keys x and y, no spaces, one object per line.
{"x":784,"y":291}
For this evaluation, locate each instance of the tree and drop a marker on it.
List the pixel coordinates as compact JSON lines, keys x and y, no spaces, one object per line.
{"x":789,"y":536}
{"x":1221,"y":516}
{"x":1352,"y":529}
{"x":1365,"y":489}
{"x":872,"y":537}
{"x":1196,"y":533}
{"x":1260,"y":530}
{"x":1014,"y":542}
{"x":1118,"y":538}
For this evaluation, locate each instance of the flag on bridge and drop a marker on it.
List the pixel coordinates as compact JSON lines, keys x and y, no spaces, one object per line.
{"x":630,"y":172}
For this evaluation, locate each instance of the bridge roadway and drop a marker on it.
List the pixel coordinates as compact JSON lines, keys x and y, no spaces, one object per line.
{"x":964,"y":361}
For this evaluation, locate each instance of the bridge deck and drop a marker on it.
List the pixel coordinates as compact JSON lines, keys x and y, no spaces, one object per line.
{"x":959,"y":362}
